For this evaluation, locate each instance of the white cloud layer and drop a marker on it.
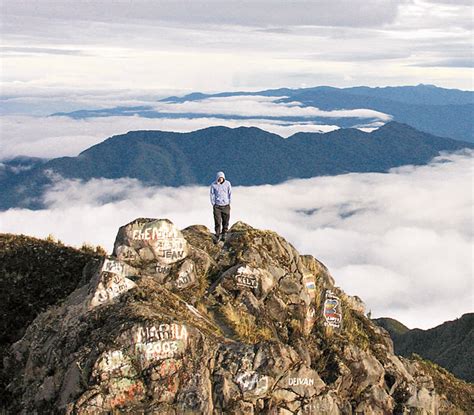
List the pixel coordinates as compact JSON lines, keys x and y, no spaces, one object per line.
{"x":49,"y":137}
{"x":45,"y":136}
{"x":259,"y":105}
{"x":236,"y":12}
{"x":402,"y":241}
{"x":235,"y":45}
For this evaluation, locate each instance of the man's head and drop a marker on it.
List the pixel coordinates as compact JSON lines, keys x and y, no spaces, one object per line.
{"x":220,"y":177}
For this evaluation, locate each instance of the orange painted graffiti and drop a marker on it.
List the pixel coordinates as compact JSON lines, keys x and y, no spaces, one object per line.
{"x":129,"y":393}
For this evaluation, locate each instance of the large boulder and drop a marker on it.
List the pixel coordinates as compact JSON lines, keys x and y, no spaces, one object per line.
{"x":110,"y":281}
{"x":174,"y":324}
{"x":155,"y":241}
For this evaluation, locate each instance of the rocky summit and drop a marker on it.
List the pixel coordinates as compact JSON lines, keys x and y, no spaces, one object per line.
{"x":173,"y":323}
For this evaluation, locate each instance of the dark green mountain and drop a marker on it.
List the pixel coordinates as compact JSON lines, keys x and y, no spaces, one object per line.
{"x":450,"y":344}
{"x":34,"y":275}
{"x":248,"y":155}
{"x":394,"y":327}
{"x":439,"y":111}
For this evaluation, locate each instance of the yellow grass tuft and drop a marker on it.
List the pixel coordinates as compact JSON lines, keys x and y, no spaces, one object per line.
{"x":245,"y":325}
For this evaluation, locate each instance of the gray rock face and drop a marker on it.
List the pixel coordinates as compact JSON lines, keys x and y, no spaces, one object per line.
{"x":173,"y":324}
{"x":110,"y":281}
{"x":150,"y":241}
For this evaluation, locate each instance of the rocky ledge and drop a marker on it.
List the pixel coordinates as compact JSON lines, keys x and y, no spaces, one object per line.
{"x":172,"y":323}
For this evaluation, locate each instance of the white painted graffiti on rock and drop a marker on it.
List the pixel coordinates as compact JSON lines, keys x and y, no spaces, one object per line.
{"x":150,"y":240}
{"x":154,"y":233}
{"x":332,"y":310}
{"x":115,"y":267}
{"x":157,"y":342}
{"x":114,"y":363}
{"x":111,"y":282}
{"x":144,"y":345}
{"x":125,"y":253}
{"x":300,"y":382}
{"x":310,"y":319}
{"x":162,"y":269}
{"x":183,"y":280}
{"x":172,"y":254}
{"x":310,"y":284}
{"x":186,"y":275}
{"x":252,"y":382}
{"x":165,"y":331}
{"x":113,"y":286}
{"x":158,"y":350}
{"x":166,"y":241}
{"x":246,"y":277}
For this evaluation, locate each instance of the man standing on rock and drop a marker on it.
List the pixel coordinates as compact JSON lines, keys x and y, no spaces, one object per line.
{"x":220,"y":192}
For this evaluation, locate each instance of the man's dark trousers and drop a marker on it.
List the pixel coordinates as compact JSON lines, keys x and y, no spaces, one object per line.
{"x":221,"y":218}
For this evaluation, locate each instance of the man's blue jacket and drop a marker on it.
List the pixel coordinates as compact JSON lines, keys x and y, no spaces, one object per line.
{"x":220,"y":193}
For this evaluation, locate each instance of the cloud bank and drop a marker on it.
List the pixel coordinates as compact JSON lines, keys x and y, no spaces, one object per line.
{"x":401,"y":240}
{"x":48,"y":137}
{"x":259,"y":105}
{"x":237,"y":12}
{"x":205,"y":45}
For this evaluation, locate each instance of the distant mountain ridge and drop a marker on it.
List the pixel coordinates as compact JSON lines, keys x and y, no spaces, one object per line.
{"x":249,"y":155}
{"x":450,"y":344}
{"x":439,"y":111}
{"x":421,"y":94}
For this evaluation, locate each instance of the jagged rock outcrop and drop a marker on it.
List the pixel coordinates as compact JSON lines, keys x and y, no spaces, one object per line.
{"x":449,"y":344}
{"x":174,"y":324}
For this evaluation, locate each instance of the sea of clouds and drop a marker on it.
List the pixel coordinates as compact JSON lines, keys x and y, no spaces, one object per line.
{"x":41,"y":135}
{"x":401,"y":240}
